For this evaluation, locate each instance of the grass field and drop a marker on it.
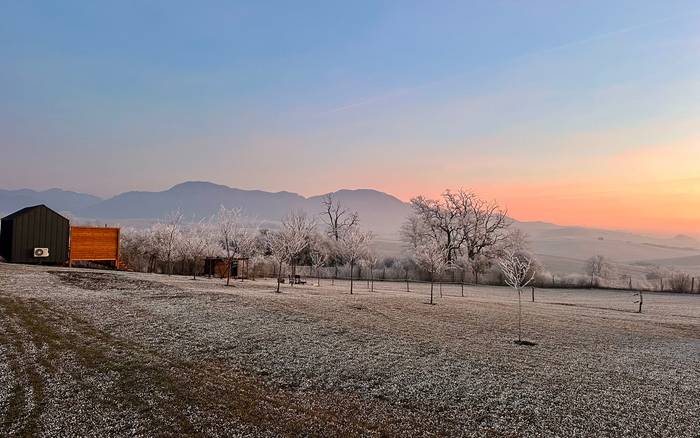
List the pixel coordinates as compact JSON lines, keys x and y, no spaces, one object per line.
{"x":95,"y":353}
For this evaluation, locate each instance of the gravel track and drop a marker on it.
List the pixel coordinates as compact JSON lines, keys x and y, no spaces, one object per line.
{"x":91,"y":353}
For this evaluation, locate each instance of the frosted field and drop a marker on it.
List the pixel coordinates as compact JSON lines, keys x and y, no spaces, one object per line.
{"x":95,"y":353}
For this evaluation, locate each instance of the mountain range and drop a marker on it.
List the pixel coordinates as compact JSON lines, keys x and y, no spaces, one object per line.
{"x":378,"y":211}
{"x":562,"y":249}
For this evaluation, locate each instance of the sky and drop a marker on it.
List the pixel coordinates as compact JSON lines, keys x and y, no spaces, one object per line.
{"x":578,"y":113}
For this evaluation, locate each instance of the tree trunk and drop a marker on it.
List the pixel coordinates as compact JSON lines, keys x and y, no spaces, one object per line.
{"x":371,"y":276}
{"x":408,"y":289}
{"x":520,"y":317}
{"x":279,"y":277}
{"x":228,"y":271}
{"x":351,"y":268}
{"x":194,"y":269}
{"x":533,"y":293}
{"x":431,"y":290}
{"x":440,"y":289}
{"x":318,"y":276}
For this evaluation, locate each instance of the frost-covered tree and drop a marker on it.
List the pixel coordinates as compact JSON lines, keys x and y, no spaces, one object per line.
{"x":353,"y":247}
{"x":319,"y":253}
{"x":658,"y":273}
{"x":195,"y":243}
{"x":484,"y":223}
{"x":435,"y":220}
{"x":134,"y":248}
{"x":235,"y":239}
{"x":461,"y":223}
{"x":371,"y":260}
{"x":517,"y":267}
{"x":599,"y":267}
{"x":286,"y":244}
{"x":680,"y":281}
{"x":432,"y":257}
{"x":167,"y":235}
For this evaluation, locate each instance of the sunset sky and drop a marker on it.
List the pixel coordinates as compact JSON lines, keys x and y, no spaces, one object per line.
{"x":582,"y":113}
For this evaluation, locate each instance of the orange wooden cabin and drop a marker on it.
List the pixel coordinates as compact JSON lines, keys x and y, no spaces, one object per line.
{"x":95,"y":244}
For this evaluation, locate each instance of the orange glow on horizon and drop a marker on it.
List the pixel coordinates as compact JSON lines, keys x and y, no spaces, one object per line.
{"x":654,"y":190}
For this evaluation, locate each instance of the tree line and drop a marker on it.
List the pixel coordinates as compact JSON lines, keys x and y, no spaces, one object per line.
{"x":455,"y":234}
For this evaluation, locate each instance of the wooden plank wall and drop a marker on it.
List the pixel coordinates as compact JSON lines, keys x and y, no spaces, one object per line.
{"x":94,"y":243}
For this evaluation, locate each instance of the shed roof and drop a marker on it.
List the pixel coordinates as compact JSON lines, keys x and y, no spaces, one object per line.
{"x":26,"y":209}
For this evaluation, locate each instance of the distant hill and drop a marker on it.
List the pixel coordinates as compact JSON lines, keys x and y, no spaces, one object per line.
{"x":378,"y":211}
{"x":56,"y":199}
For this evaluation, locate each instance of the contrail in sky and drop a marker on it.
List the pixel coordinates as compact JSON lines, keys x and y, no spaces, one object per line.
{"x":514,"y":60}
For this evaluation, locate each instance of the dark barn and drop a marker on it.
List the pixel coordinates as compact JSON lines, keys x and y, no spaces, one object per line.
{"x":27,"y":235}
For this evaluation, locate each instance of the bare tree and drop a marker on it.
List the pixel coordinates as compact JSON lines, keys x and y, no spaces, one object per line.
{"x":353,"y":247}
{"x":432,"y":257}
{"x":518,"y":273}
{"x":337,"y":218}
{"x":339,"y":221}
{"x":599,"y":267}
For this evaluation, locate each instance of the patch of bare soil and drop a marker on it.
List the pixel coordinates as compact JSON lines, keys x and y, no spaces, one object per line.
{"x":101,"y":281}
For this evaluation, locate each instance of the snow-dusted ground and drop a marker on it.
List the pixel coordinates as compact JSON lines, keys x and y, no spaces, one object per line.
{"x":94,"y":353}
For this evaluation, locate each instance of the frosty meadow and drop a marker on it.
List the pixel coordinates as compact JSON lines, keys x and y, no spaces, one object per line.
{"x":350,"y":219}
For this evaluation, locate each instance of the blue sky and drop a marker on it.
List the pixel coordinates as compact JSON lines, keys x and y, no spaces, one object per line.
{"x":405,"y":97}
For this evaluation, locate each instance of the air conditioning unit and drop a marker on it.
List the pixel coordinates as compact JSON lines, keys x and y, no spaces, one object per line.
{"x":41,"y":252}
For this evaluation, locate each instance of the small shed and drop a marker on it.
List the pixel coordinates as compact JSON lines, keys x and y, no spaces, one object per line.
{"x":34,"y":234}
{"x":216,"y":266}
{"x":95,"y":244}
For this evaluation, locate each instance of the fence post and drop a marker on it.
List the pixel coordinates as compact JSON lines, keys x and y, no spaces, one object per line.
{"x":692,"y":285}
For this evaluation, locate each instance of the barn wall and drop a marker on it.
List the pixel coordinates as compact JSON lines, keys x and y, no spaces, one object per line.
{"x":39,"y":227}
{"x":6,"y":239}
{"x":94,"y":243}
